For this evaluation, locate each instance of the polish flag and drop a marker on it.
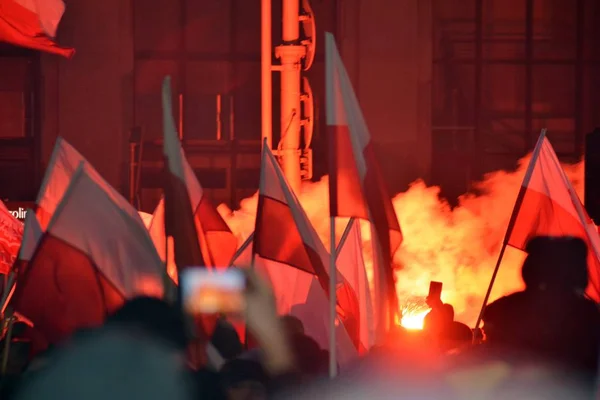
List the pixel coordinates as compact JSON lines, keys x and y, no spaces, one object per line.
{"x":32,"y":24}
{"x":351,"y":265}
{"x":217,"y":243}
{"x":64,"y":161}
{"x":356,"y":186}
{"x":353,"y":276}
{"x":32,"y":233}
{"x":179,"y":222}
{"x":92,"y":256}
{"x":11,"y":232}
{"x":61,"y":167}
{"x":288,"y":250}
{"x":547,"y":205}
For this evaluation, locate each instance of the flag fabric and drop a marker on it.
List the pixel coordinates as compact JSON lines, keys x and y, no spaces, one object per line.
{"x":356,"y":186}
{"x":11,"y":232}
{"x":49,"y":13}
{"x":92,"y":256}
{"x":351,"y":265}
{"x":179,"y":221}
{"x":32,"y":233}
{"x":283,"y":231}
{"x":355,"y":315}
{"x":217,"y":243}
{"x":288,"y":251}
{"x":64,"y":161}
{"x":547,"y":205}
{"x":146,"y":218}
{"x":32,"y":24}
{"x":243,"y":256}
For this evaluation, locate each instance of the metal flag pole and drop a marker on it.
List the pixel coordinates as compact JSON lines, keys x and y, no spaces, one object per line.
{"x":511,"y":223}
{"x":332,"y":300}
{"x":7,"y":339}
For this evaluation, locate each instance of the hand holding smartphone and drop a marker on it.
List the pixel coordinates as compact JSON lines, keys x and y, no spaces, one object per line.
{"x":211,"y":291}
{"x":435,"y":291}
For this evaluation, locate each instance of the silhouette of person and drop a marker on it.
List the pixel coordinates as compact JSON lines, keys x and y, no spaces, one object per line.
{"x":442,"y":326}
{"x":551,"y":318}
{"x":455,"y":334}
{"x":436,"y":318}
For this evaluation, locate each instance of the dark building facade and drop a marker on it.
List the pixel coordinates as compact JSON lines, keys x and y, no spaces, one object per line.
{"x":460,"y":83}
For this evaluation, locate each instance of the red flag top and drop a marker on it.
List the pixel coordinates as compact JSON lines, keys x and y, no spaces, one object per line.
{"x":547,"y":205}
{"x":31,"y":24}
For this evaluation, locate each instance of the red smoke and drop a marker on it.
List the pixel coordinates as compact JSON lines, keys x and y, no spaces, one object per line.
{"x":458,"y":246}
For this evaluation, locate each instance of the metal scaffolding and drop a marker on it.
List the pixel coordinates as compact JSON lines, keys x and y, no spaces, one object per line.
{"x":466,"y":46}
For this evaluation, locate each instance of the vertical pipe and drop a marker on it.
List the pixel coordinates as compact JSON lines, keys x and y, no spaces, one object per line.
{"x":291,"y":21}
{"x":233,"y":148}
{"x":36,"y":129}
{"x":579,"y":77}
{"x":234,"y":152}
{"x":218,"y":116}
{"x":528,"y":75}
{"x":181,"y":116}
{"x":231,"y":118}
{"x":265,"y":72}
{"x":182,"y":63}
{"x":476,"y":152}
{"x":290,"y":116}
{"x":291,"y":54}
{"x":132,"y":166}
{"x":332,"y":300}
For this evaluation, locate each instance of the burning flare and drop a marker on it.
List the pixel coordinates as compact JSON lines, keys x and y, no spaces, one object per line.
{"x":414,"y":310}
{"x":457,"y":246}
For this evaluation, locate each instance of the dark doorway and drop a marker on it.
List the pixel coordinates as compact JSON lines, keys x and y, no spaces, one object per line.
{"x":19,"y":123}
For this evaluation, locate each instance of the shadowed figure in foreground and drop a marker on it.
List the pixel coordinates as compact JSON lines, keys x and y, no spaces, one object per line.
{"x":551,"y":318}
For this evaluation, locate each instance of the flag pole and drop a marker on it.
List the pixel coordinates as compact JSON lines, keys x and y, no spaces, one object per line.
{"x":495,"y":273}
{"x":241,"y":250}
{"x":332,"y":300}
{"x":344,"y":236}
{"x":511,"y":223}
{"x":7,"y":339}
{"x":252,"y":260}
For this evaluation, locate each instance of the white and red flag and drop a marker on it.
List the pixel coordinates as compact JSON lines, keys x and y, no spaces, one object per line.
{"x":178,"y":220}
{"x":356,"y":186}
{"x":288,"y":250}
{"x":32,"y":233}
{"x":217,"y":243}
{"x":11,"y":232}
{"x":351,"y":265}
{"x":63,"y":163}
{"x":547,"y":205}
{"x":94,"y":253}
{"x":32,"y":24}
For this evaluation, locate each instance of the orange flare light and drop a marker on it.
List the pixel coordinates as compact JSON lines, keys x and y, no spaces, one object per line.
{"x":414,"y":321}
{"x":455,"y":245}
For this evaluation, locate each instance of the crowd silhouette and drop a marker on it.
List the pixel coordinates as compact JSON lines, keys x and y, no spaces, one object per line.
{"x":541,"y":342}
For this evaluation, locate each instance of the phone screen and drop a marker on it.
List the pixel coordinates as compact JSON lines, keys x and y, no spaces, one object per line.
{"x":435,"y":290}
{"x":207,"y":291}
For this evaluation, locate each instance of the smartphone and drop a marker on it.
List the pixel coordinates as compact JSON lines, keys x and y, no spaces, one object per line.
{"x":210,"y":291}
{"x":435,"y":290}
